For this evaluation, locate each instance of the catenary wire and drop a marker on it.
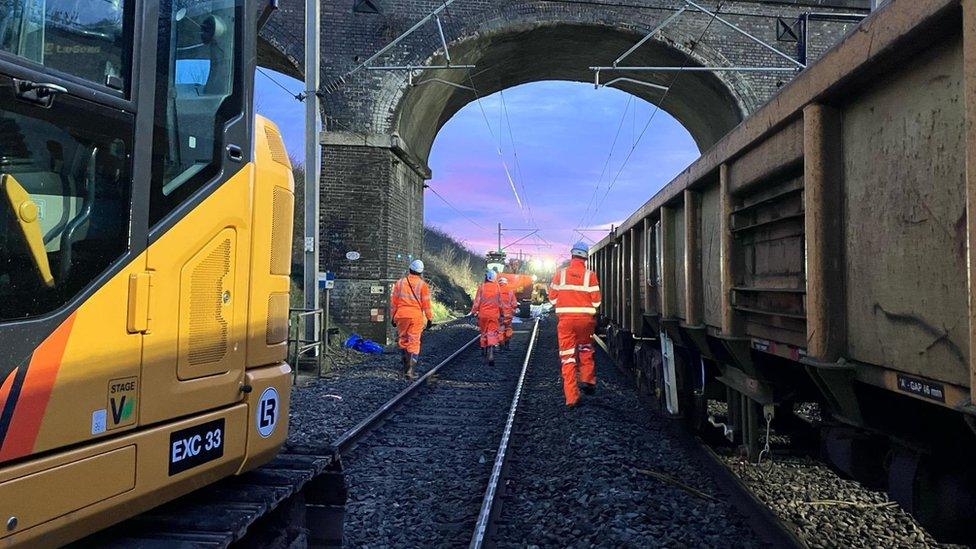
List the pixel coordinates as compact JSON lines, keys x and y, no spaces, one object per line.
{"x":522,"y":200}
{"x":606,"y":165}
{"x":508,"y":173}
{"x":657,"y":107}
{"x":518,"y":164}
{"x":453,"y":207}
{"x":297,"y":96}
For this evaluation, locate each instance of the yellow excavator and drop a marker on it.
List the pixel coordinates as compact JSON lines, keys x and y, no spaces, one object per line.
{"x":145,"y":250}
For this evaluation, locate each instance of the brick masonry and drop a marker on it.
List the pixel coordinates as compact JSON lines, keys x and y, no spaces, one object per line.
{"x":372,"y":180}
{"x":373,"y":204}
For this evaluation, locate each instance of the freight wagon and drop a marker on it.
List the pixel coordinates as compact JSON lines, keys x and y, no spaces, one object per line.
{"x":821,"y":252}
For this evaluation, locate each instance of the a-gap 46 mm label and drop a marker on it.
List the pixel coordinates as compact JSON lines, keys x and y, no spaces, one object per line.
{"x":921,"y":387}
{"x":195,"y":445}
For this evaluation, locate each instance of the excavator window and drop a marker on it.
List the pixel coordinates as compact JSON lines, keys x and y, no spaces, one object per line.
{"x":81,"y":38}
{"x":64,"y":200}
{"x":65,"y":159}
{"x":199,"y":90}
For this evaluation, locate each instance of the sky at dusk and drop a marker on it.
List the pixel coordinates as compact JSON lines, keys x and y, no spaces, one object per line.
{"x":562,"y":133}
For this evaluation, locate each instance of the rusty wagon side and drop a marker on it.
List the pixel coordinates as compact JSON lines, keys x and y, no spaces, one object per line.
{"x":821,"y":251}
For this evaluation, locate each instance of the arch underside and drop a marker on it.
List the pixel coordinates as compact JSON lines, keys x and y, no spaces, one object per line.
{"x":702,"y":102}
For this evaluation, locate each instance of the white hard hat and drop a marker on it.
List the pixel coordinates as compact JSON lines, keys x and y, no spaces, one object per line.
{"x":580,"y":249}
{"x":417,"y":266}
{"x":490,"y":275}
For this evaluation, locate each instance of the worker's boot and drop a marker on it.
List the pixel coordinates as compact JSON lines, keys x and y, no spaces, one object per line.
{"x":588,"y":388}
{"x":491,"y":355}
{"x":411,"y":363}
{"x":405,"y":359}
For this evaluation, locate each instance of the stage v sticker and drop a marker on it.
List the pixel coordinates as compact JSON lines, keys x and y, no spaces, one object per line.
{"x":122,"y":394}
{"x":195,"y":446}
{"x":267,"y":412}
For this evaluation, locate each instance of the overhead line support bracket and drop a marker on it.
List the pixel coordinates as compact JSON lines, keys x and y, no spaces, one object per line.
{"x":647,"y":37}
{"x":736,"y":28}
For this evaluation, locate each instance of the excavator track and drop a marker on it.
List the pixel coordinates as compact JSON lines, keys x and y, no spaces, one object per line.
{"x":267,"y":507}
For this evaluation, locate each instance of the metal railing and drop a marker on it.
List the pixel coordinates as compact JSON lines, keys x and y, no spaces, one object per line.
{"x":299,"y":344}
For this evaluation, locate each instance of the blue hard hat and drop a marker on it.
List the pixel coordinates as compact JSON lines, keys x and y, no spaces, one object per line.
{"x":580,"y":249}
{"x":417,"y":266}
{"x":490,"y":275}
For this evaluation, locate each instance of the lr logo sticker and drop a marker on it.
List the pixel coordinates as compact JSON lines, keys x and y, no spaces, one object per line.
{"x":122,"y":395}
{"x":267,"y":412}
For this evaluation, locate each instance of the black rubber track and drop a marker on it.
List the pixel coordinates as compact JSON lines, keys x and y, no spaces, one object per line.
{"x":255,"y":505}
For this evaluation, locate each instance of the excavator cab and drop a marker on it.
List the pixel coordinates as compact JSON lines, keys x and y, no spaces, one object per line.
{"x":145,"y":239}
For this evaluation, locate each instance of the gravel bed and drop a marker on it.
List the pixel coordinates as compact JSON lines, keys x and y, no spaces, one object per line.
{"x":418,"y":480}
{"x":575,"y":477}
{"x":576,"y":480}
{"x":826,"y":510}
{"x":358,"y":385}
{"x":823,"y":508}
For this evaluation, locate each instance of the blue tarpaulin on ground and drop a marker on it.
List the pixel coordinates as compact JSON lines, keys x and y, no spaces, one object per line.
{"x":359,"y":343}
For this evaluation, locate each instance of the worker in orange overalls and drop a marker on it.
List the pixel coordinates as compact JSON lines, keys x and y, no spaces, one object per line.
{"x":487,"y":307}
{"x":410,"y":313}
{"x":575,"y":295}
{"x":508,"y":311}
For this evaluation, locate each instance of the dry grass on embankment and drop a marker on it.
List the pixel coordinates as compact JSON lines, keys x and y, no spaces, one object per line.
{"x":452,"y":271}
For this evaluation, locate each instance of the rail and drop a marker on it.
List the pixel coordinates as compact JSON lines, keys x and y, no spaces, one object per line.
{"x":489,"y":509}
{"x":349,"y":439}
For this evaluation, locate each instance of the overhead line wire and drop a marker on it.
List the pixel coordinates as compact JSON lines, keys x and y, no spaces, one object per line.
{"x":432,"y":189}
{"x":297,"y":96}
{"x":606,"y":165}
{"x":453,"y":207}
{"x":521,"y":201}
{"x":657,"y":107}
{"x":518,"y":164}
{"x":491,"y":132}
{"x":508,"y":173}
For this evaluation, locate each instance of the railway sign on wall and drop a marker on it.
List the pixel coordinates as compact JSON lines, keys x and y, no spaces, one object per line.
{"x":326,"y":280}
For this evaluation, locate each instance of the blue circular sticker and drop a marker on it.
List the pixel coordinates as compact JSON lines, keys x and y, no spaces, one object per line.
{"x":268,"y":406}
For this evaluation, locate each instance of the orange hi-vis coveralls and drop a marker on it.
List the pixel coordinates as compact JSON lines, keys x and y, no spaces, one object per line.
{"x":508,"y":312}
{"x":575,"y":294}
{"x":410,"y":307}
{"x":488,"y":306}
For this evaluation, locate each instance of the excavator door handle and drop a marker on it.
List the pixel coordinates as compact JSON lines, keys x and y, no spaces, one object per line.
{"x":235,"y":153}
{"x":41,"y":94}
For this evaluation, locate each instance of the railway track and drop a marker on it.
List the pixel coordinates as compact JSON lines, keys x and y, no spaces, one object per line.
{"x":426,"y":468}
{"x":267,"y":507}
{"x":429,"y":467}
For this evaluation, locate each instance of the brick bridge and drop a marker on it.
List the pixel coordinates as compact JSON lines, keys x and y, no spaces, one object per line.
{"x":380,"y":128}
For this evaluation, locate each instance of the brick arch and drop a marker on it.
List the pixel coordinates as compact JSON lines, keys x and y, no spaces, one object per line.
{"x":708,"y":105}
{"x":374,"y":103}
{"x":279,"y":47}
{"x":380,"y":129}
